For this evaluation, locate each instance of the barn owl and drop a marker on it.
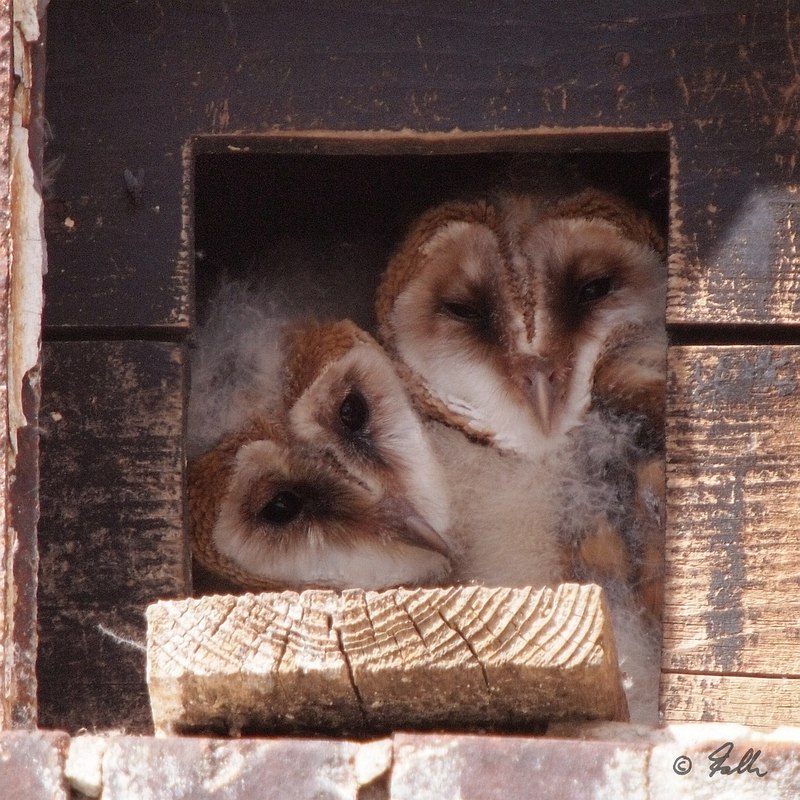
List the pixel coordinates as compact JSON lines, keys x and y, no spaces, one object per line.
{"x":594,"y":277}
{"x":449,"y":310}
{"x":335,"y":488}
{"x":537,"y":327}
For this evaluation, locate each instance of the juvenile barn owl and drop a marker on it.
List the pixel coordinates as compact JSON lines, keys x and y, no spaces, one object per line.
{"x":538,"y":328}
{"x":450,"y":313}
{"x":332,"y":489}
{"x":450,"y":310}
{"x":594,"y":276}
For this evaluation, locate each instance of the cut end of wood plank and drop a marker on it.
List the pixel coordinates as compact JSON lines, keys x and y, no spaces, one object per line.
{"x":365,"y":663}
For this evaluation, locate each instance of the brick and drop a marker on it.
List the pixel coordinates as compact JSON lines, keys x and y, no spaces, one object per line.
{"x":206,"y":769}
{"x":32,"y":765}
{"x":498,"y":768}
{"x":688,"y":747}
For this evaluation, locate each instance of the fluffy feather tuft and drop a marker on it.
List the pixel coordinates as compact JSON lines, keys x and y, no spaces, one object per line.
{"x":236,"y":363}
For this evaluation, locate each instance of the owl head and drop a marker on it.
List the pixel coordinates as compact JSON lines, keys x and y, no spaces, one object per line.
{"x":594,"y":280}
{"x":317,"y":493}
{"x":451,"y":311}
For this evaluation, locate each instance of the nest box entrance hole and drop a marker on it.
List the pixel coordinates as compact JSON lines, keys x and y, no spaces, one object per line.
{"x":317,"y":216}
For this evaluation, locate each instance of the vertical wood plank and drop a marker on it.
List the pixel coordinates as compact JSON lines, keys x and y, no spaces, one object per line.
{"x":6,"y":572}
{"x":22,"y":259}
{"x":733,"y":492}
{"x":111,"y":533}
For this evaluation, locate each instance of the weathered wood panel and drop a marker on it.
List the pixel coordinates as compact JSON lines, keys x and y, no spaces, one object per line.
{"x":111,"y":532}
{"x":370,"y":662}
{"x":761,"y":703}
{"x":22,"y":260}
{"x":6,"y":574}
{"x":733,"y":492}
{"x":722,"y":79}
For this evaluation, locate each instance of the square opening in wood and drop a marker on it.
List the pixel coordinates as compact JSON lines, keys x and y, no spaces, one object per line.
{"x":313,"y":219}
{"x":523,"y":272}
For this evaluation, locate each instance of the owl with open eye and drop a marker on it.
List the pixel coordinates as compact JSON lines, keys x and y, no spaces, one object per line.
{"x":594,"y":274}
{"x":536,"y":328}
{"x":334,"y":488}
{"x":594,"y":277}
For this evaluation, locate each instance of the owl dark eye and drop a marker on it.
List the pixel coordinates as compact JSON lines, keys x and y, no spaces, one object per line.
{"x":284,"y":507}
{"x":477,"y":317}
{"x":354,"y":412}
{"x":463,"y":311}
{"x":592,"y":291}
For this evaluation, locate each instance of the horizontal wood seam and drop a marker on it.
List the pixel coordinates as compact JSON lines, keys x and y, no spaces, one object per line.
{"x":706,"y":673}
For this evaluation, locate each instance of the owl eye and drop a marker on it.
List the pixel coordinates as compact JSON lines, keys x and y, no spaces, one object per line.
{"x":284,"y":507}
{"x":592,"y":291}
{"x":354,"y":412}
{"x":463,"y":311}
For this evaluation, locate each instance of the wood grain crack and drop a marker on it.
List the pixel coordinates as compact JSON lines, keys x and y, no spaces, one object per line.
{"x":351,"y":677}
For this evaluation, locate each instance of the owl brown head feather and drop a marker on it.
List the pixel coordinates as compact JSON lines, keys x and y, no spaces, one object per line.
{"x":632,"y":223}
{"x":208,"y":483}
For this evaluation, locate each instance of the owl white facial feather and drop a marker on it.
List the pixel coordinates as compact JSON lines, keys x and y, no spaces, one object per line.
{"x":345,"y":398}
{"x":598,"y":307}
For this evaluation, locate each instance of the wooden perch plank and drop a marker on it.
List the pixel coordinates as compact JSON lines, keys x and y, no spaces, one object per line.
{"x":368,"y":662}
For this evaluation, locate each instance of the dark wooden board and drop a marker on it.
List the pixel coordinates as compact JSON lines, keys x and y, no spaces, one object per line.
{"x":721,"y":79}
{"x":111,"y":532}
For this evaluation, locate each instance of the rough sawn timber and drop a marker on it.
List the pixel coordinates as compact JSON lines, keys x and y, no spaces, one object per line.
{"x":733,"y":500}
{"x":363,"y":663}
{"x":111,"y":535}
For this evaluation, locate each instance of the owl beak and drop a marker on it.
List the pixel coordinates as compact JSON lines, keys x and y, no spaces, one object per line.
{"x":413,"y":530}
{"x":419,"y":533}
{"x":543,"y":389}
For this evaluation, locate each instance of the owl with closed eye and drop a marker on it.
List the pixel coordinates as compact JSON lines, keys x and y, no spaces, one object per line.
{"x":450,"y":311}
{"x":332,"y":488}
{"x":536,"y":328}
